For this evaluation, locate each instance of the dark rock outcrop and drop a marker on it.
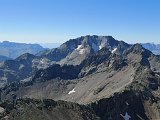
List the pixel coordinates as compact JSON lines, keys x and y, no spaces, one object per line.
{"x":119,"y":104}
{"x":46,"y":109}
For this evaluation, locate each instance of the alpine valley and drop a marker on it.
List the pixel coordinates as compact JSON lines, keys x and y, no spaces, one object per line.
{"x":87,"y":78}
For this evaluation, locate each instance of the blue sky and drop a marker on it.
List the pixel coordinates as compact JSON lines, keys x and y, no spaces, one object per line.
{"x":55,"y":21}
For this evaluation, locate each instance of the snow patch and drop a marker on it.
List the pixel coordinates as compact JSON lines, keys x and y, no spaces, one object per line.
{"x":72,"y":91}
{"x":21,"y":66}
{"x":1,"y":110}
{"x":127,"y":103}
{"x":80,"y":49}
{"x":42,"y":61}
{"x":100,"y":47}
{"x":126,"y":117}
{"x":104,"y":43}
{"x":114,"y":50}
{"x":157,"y":75}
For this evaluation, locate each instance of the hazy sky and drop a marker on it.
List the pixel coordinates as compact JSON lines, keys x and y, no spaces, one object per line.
{"x":55,"y":21}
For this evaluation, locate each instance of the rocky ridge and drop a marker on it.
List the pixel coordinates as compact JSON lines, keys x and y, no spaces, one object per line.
{"x":115,"y":82}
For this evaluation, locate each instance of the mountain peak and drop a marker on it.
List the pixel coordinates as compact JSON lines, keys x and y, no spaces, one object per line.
{"x":74,"y":51}
{"x":26,"y":56}
{"x":136,"y":49}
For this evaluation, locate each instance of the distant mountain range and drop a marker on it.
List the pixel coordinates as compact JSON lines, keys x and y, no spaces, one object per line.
{"x":98,"y":77}
{"x":3,"y":58}
{"x":155,"y":48}
{"x":12,"y":50}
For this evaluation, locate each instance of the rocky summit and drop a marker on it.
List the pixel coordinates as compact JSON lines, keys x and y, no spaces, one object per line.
{"x":98,"y":77}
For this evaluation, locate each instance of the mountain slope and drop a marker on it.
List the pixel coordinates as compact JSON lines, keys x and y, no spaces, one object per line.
{"x":113,"y":73}
{"x":114,"y":82}
{"x":21,"y":68}
{"x":104,"y":73}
